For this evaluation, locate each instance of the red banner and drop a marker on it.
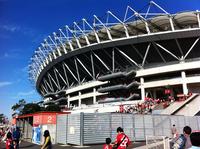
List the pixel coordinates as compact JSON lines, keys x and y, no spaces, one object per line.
{"x":167,"y":91}
{"x":49,"y":119}
{"x":44,"y":119}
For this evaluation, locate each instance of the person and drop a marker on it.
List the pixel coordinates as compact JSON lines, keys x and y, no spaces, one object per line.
{"x":122,"y":141}
{"x":174,"y":131}
{"x":108,"y":144}
{"x":9,"y":142}
{"x":47,"y":140}
{"x":2,"y":133}
{"x":16,"y":137}
{"x":183,"y":141}
{"x":195,"y":140}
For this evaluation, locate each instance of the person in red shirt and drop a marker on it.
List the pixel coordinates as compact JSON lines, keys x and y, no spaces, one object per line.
{"x":108,"y":144}
{"x":9,"y":143}
{"x":122,"y":139}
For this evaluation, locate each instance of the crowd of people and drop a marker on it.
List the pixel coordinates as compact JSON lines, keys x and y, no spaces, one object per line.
{"x":11,"y":137}
{"x":147,"y":106}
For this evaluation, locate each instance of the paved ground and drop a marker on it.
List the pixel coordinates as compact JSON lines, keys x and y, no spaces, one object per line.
{"x":27,"y":145}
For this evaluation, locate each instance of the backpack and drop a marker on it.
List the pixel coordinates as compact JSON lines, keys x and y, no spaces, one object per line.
{"x":180,"y":142}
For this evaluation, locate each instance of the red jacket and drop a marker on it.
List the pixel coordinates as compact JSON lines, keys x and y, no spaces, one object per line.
{"x":8,"y":143}
{"x":124,"y":143}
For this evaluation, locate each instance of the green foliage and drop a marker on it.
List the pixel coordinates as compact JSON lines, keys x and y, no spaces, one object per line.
{"x":52,"y":107}
{"x":2,"y":118}
{"x":19,"y":106}
{"x":30,"y":108}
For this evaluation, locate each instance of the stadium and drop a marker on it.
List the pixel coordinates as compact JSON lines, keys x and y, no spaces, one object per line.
{"x":121,"y":61}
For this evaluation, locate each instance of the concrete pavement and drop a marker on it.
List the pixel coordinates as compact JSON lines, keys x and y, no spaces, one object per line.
{"x":27,"y":145}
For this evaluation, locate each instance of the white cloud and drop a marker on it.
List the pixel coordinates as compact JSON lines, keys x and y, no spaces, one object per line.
{"x":7,"y":55}
{"x":26,"y":93}
{"x":12,"y":28}
{"x":6,"y":83}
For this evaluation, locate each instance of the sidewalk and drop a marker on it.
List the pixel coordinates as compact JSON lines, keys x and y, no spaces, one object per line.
{"x":27,"y":145}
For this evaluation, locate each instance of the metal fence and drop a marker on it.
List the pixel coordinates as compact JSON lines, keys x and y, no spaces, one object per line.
{"x":157,"y":142}
{"x":26,"y":128}
{"x":93,"y":128}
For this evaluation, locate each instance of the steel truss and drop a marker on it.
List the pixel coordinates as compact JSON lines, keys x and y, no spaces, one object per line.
{"x":84,"y":34}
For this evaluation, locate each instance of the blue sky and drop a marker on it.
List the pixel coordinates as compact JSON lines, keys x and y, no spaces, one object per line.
{"x":25,"y":23}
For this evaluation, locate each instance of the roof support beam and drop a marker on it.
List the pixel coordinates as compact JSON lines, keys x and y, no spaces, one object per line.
{"x":70,"y":71}
{"x":59,"y":87}
{"x":95,"y":33}
{"x":101,"y":61}
{"x":145,"y":56}
{"x":50,"y":86}
{"x":52,"y":50}
{"x":107,"y":30}
{"x":130,"y":59}
{"x":42,"y":86}
{"x":77,"y":41}
{"x":124,"y":25}
{"x":191,"y":47}
{"x":65,"y":72}
{"x":77,"y":71}
{"x":49,"y":76}
{"x":61,"y":76}
{"x":60,"y":41}
{"x":141,"y":18}
{"x":84,"y":67}
{"x":167,"y":51}
{"x":138,"y":52}
{"x":179,"y":47}
{"x":67,"y":38}
{"x":92,"y":64}
{"x":156,"y":48}
{"x":86,"y":38}
{"x":55,"y":44}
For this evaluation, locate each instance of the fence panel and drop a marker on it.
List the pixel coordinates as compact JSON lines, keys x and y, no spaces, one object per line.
{"x":139,"y":127}
{"x":116,"y":121}
{"x":158,"y":130}
{"x":148,"y":125}
{"x":127,"y":124}
{"x":73,"y":129}
{"x":96,"y":127}
{"x":166,"y":126}
{"x":61,"y":130}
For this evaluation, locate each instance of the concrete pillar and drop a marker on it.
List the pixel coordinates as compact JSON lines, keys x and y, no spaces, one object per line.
{"x":142,"y":88}
{"x":184,"y":84}
{"x":94,"y":96}
{"x":79,"y":99}
{"x":68,"y":101}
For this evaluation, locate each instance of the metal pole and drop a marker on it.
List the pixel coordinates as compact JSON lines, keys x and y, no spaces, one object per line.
{"x":81,"y":128}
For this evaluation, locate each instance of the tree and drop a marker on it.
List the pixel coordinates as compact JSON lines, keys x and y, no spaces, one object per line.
{"x":19,"y":106}
{"x":30,"y":108}
{"x":2,"y":118}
